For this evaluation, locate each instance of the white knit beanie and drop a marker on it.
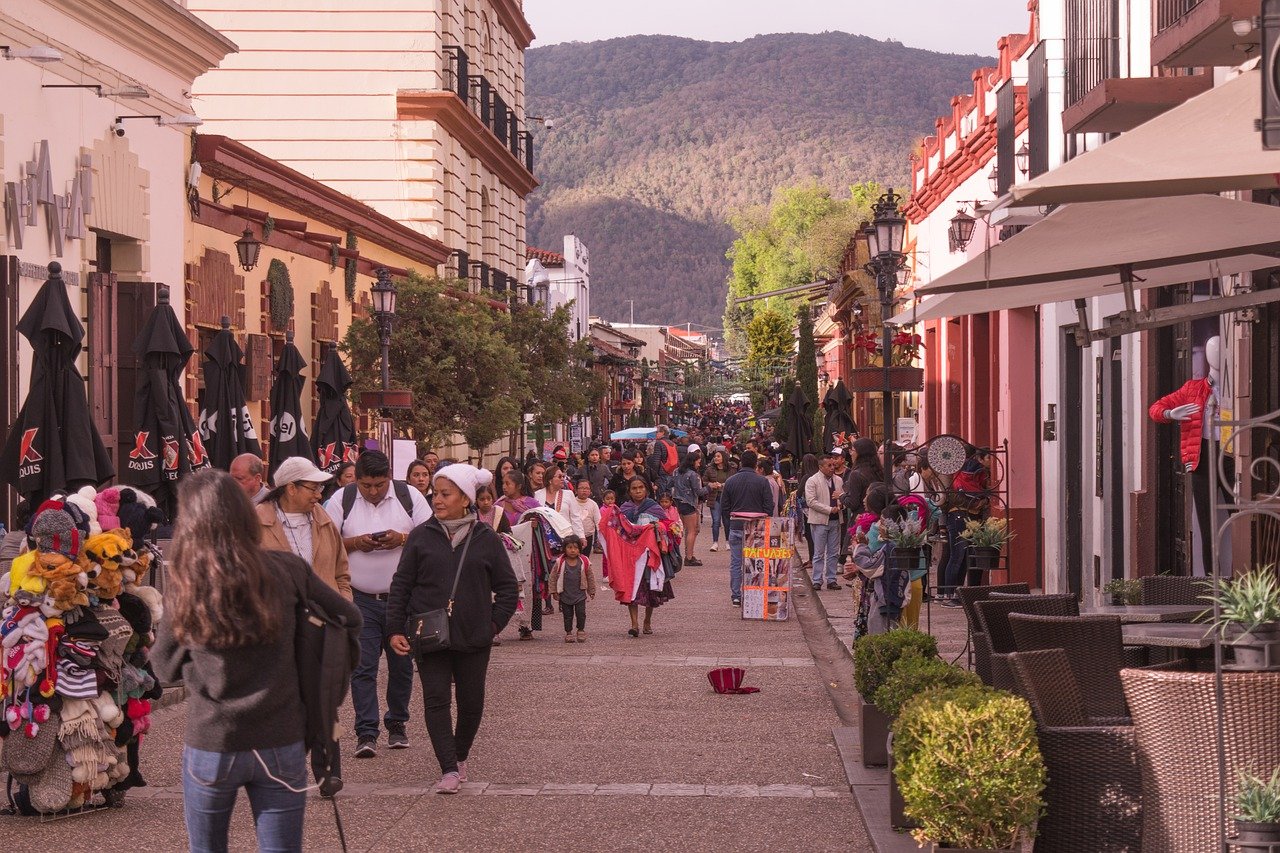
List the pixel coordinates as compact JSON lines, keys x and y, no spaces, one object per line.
{"x":466,"y":478}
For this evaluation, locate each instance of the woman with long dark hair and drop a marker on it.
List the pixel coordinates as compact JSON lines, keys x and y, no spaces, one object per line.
{"x":419,"y":476}
{"x":638,"y":572}
{"x":229,"y":636}
{"x":716,"y":474}
{"x":688,"y":492}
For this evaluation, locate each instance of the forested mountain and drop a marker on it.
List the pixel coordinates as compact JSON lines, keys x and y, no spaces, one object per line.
{"x":657,"y":140}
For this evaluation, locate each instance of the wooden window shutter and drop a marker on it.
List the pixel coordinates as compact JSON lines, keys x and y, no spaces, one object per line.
{"x":102,"y":356}
{"x":258,"y":367}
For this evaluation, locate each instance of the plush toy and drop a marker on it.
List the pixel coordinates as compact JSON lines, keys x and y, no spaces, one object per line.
{"x":103,"y":560}
{"x":65,"y":582}
{"x":25,"y":589}
{"x":86,"y":501}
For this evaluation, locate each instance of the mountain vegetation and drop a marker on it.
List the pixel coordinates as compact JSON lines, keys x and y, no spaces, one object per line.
{"x":660,"y":142}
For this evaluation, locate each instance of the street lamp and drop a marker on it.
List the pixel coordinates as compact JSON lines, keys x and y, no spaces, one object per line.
{"x":885,"y":239}
{"x":960,"y":231}
{"x":993,"y":180}
{"x":248,"y":249}
{"x":384,"y":311}
{"x":1022,"y":159}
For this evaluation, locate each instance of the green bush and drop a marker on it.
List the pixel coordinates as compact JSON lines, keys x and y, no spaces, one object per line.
{"x":875,"y":654}
{"x":915,"y":674}
{"x":969,"y":767}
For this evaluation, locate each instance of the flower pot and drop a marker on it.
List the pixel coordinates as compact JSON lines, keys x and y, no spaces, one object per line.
{"x":935,"y":847}
{"x":1257,"y":650}
{"x":904,"y":559}
{"x":984,"y":558}
{"x":870,"y":379}
{"x":875,"y":736}
{"x":897,"y":806}
{"x":1263,"y":834}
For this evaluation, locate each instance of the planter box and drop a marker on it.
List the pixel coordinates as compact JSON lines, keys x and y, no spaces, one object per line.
{"x":875,"y":736}
{"x":1260,"y":837}
{"x":869,"y":379}
{"x":1257,"y":651}
{"x":897,"y":806}
{"x":936,"y":848}
{"x":904,"y":559}
{"x":984,"y":559}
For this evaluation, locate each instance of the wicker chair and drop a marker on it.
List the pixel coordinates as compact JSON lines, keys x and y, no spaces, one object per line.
{"x":1093,"y":793}
{"x":993,"y":620}
{"x":1175,"y":719}
{"x":971,"y":595}
{"x":1174,"y":589}
{"x":1094,"y":647}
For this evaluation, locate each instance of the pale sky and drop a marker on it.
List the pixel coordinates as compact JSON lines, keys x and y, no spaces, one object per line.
{"x":942,"y":25}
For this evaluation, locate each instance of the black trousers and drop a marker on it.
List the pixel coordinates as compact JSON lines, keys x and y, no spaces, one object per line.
{"x":465,"y":672}
{"x":572,"y":611}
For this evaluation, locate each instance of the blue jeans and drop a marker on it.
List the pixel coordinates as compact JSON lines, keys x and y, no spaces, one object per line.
{"x":717,"y":522}
{"x":826,"y":550}
{"x":736,"y":539}
{"x":957,"y":550}
{"x":211,"y":780}
{"x":374,"y":636}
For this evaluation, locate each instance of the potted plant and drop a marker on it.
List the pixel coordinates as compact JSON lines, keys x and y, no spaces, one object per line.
{"x":1249,"y":618}
{"x":1123,"y":591}
{"x":987,"y":538}
{"x":873,"y":658}
{"x":907,"y":539}
{"x":1258,"y":812}
{"x":914,"y":675}
{"x":973,"y":746}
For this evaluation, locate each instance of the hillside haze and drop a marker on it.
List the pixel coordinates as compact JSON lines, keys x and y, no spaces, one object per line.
{"x":658,"y":140}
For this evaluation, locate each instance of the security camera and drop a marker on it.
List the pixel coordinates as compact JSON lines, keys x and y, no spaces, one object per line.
{"x":549,"y":124}
{"x":118,"y":128}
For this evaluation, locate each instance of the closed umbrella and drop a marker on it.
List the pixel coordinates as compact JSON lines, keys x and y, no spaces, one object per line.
{"x":334,"y":439}
{"x":838,"y":417}
{"x":167,"y":445}
{"x":225,"y":423}
{"x":798,"y":413}
{"x":288,"y":433}
{"x":53,"y":443}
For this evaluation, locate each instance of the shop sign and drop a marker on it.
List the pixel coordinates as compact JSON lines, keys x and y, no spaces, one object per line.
{"x":40,"y":272}
{"x":64,"y":214}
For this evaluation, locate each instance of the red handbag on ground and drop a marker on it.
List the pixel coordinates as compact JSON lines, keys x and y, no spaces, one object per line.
{"x":729,"y":680}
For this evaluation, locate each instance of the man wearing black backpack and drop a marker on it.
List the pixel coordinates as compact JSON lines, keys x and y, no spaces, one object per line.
{"x":375,"y":516}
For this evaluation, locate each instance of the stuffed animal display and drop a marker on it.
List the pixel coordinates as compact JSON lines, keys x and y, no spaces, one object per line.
{"x":76,"y":688}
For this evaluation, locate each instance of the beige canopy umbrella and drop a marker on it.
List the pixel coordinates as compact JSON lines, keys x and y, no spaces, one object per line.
{"x":1085,"y":250}
{"x":1207,"y":144}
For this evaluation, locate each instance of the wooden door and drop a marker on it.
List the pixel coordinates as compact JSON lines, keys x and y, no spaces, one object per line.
{"x":103,"y":343}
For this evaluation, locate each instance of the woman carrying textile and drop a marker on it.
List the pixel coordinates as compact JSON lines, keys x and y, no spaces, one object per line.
{"x":641,"y":548}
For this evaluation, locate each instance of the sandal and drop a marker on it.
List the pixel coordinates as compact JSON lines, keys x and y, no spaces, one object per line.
{"x":648,"y":630}
{"x":568,"y":638}
{"x":632,"y":633}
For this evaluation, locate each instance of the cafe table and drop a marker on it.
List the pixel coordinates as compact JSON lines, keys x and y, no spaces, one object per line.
{"x":1133,"y":613}
{"x":1167,"y":635}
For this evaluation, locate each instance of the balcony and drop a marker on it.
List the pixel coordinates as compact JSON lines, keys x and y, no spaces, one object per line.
{"x":1117,"y":104}
{"x":1198,"y":33}
{"x":482,"y":98}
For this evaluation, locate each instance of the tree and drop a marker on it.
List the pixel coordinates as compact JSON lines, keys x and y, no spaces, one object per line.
{"x":559,"y":382}
{"x":769,"y":341}
{"x":807,"y":366}
{"x":454,"y":355}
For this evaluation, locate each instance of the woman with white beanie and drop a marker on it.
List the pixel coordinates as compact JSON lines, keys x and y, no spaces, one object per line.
{"x":455,"y":564}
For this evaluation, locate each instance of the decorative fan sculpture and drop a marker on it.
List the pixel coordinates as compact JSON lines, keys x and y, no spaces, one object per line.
{"x":946,"y":454}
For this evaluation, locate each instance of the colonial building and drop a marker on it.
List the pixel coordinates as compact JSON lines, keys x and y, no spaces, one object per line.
{"x":94,"y":158}
{"x":616,"y":359}
{"x":413,"y":108}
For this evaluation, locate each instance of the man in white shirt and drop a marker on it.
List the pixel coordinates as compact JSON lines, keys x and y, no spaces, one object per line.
{"x":374,"y":516}
{"x":822,"y":493}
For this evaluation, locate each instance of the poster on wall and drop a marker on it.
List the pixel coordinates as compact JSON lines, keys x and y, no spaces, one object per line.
{"x":766,"y":569}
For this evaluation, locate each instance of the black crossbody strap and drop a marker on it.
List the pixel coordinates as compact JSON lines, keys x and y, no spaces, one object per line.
{"x":466,"y":543}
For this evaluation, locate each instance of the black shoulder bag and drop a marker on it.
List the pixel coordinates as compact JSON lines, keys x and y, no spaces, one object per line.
{"x":429,"y":631}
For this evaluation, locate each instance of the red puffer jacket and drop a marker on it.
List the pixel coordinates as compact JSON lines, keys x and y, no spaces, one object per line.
{"x":1196,"y":391}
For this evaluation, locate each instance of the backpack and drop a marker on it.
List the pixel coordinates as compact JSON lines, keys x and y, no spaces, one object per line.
{"x":326,"y":652}
{"x":665,"y":456}
{"x":349,"y":493}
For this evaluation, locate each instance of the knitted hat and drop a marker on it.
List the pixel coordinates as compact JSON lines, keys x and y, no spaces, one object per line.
{"x":560,"y":452}
{"x":55,"y":531}
{"x":466,"y":478}
{"x":135,"y":612}
{"x":51,"y":790}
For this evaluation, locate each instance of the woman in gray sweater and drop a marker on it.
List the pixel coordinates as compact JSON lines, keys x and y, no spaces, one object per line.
{"x":229,"y":635}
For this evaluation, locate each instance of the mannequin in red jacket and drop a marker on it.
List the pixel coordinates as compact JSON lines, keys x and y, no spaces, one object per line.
{"x":1194,"y":407}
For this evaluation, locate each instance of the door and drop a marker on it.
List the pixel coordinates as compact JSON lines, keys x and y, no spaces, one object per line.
{"x":103,"y":348}
{"x":135,"y":301}
{"x":1072,"y":462}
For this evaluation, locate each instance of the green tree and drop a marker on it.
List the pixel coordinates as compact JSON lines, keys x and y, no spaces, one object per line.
{"x":769,"y":342}
{"x":807,"y":367}
{"x":559,"y":382}
{"x":454,"y":355}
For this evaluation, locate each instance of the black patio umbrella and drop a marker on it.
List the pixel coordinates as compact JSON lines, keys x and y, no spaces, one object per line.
{"x":225,"y":423}
{"x":334,"y":437}
{"x":167,"y":445}
{"x":798,"y":414}
{"x":288,"y":433}
{"x":838,"y":416}
{"x":53,"y":443}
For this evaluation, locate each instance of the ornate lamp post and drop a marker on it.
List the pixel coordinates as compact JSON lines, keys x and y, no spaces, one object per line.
{"x":384,"y":312}
{"x":885,"y":238}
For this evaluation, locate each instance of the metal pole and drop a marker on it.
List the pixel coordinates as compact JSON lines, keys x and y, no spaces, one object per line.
{"x":886,"y":279}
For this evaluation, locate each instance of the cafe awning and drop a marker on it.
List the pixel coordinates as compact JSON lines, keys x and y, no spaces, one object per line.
{"x":1206,"y":144}
{"x":1086,"y":250}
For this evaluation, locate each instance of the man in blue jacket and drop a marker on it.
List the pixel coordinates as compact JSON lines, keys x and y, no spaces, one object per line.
{"x":744,"y":492}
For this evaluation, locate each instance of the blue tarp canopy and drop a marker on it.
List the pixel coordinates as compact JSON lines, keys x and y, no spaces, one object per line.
{"x":641,"y":433}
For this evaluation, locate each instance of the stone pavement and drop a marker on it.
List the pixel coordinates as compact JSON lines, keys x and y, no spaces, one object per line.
{"x":615,"y":744}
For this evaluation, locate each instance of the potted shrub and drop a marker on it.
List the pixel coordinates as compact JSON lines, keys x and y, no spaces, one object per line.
{"x":973,"y":746}
{"x":1249,"y":618}
{"x":1258,"y":812}
{"x":907,"y":539}
{"x":1123,"y":591}
{"x":987,"y":538}
{"x":873,"y":658}
{"x":914,"y":675}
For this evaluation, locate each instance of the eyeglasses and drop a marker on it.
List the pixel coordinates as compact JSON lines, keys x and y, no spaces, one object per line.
{"x":309,"y":486}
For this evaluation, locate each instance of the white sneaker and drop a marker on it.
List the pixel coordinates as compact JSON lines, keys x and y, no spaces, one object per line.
{"x":715,"y":546}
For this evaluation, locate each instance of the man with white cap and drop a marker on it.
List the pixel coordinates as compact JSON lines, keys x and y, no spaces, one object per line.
{"x":293,"y":521}
{"x":375,"y":516}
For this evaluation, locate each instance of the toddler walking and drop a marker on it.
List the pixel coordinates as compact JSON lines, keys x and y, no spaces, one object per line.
{"x":572,"y":583}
